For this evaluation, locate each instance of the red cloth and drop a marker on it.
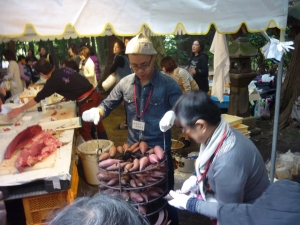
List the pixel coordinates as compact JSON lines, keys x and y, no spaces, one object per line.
{"x":92,"y":101}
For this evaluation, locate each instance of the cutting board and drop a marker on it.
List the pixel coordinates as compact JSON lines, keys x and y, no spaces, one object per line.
{"x":5,"y":120}
{"x":7,"y":166}
{"x":57,"y":114}
{"x":59,"y":125}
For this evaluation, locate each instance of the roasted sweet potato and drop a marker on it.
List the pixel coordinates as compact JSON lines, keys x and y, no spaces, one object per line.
{"x":116,"y":166}
{"x":134,"y":146}
{"x":108,"y":191}
{"x":156,"y":189}
{"x":142,"y":209}
{"x":153,"y":158}
{"x":150,"y":151}
{"x":153,"y":194}
{"x":125,"y":147}
{"x":128,"y":167}
{"x":159,"y":152}
{"x":125,"y":195}
{"x":108,"y":162}
{"x":136,"y":149}
{"x":143,"y":147}
{"x":124,"y":180}
{"x":103,"y":156}
{"x":133,"y":183}
{"x":138,"y":182}
{"x":145,"y":196}
{"x":113,"y":181}
{"x":157,"y":174}
{"x":135,"y":196}
{"x":120,"y":149}
{"x":104,"y":176}
{"x":144,"y":162}
{"x":112,"y":151}
{"x":136,"y":165}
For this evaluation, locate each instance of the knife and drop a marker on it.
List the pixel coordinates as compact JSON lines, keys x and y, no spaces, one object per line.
{"x":55,"y":103}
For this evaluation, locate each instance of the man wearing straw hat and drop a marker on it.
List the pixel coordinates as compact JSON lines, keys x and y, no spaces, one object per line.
{"x":148,"y":95}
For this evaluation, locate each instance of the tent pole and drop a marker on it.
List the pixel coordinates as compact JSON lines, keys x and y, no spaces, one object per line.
{"x":276,"y":113}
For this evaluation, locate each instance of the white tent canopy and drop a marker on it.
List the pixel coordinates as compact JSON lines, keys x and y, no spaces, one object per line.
{"x":48,"y":19}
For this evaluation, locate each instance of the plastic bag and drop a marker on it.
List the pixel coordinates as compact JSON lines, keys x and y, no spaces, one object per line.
{"x":262,"y":109}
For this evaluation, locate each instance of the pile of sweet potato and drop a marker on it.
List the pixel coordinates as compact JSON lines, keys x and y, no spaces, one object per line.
{"x":136,"y":173}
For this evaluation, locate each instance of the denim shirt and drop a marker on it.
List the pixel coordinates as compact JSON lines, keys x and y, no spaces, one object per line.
{"x":165,"y":93}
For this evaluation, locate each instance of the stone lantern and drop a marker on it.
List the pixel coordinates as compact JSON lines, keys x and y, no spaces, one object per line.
{"x":241,"y":75}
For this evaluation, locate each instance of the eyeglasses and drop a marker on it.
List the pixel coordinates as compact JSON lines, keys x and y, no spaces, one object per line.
{"x":185,"y":129}
{"x":143,"y":66}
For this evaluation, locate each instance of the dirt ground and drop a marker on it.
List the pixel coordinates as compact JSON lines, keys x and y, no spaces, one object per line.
{"x":288,"y":139}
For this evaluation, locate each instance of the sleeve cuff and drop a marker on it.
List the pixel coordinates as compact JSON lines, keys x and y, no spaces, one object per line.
{"x":191,"y":205}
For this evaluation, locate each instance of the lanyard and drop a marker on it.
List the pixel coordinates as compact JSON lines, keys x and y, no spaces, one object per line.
{"x":213,"y":156}
{"x":135,"y":103}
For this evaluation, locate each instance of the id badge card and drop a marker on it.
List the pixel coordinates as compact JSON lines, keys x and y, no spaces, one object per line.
{"x":138,"y":125}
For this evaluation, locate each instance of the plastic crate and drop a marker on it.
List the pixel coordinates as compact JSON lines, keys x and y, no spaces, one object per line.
{"x":38,"y":209}
{"x":224,"y":104}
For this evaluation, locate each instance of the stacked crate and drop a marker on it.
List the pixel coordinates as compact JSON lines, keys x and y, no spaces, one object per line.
{"x":38,"y":209}
{"x":236,"y":123}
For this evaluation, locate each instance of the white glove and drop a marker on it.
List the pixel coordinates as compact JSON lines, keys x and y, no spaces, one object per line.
{"x":91,"y":115}
{"x":167,"y":121}
{"x":190,"y":185}
{"x":179,"y":200}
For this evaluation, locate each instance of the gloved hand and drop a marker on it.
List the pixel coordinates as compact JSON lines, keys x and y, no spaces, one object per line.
{"x":91,"y":115}
{"x":167,"y":121}
{"x":179,"y":200}
{"x":190,"y":185}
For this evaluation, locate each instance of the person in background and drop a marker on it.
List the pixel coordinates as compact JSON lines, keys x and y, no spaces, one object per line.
{"x":94,"y":58}
{"x":28,"y":70}
{"x":183,"y":79}
{"x":120,"y":68}
{"x":31,"y":56}
{"x":2,"y":210}
{"x":25,"y":79}
{"x":126,"y":40}
{"x":148,"y":96}
{"x":198,"y":65}
{"x":73,"y":53}
{"x":229,"y":168}
{"x":278,"y":205}
{"x":87,"y":66}
{"x":99,"y":210}
{"x":2,"y":96}
{"x":13,"y":70}
{"x":70,"y":64}
{"x":45,"y":55}
{"x":71,"y":85}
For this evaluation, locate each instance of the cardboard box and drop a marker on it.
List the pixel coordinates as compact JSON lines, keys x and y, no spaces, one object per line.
{"x":254,"y":95}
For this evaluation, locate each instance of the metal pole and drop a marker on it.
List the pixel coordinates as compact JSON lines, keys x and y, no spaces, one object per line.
{"x":276,"y":114}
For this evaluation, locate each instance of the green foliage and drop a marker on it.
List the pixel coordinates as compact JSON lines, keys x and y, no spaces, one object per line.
{"x":259,"y":63}
{"x":180,"y":56}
